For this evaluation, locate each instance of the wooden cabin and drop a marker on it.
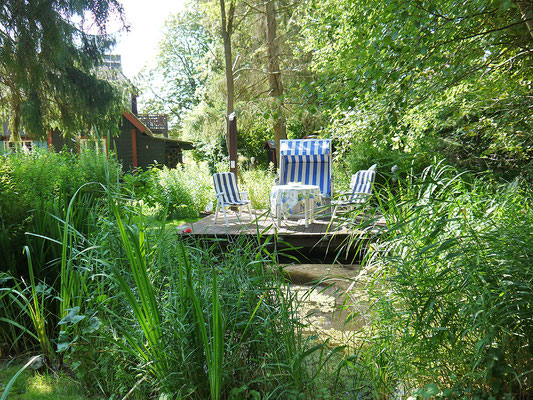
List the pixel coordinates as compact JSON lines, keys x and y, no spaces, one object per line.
{"x":142,"y":142}
{"x":138,"y":147}
{"x":135,"y":147}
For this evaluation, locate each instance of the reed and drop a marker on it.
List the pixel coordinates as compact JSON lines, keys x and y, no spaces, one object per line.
{"x":451,"y":288}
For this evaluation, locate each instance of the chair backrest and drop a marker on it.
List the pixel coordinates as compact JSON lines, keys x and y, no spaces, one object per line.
{"x":307,"y":161}
{"x":226,"y":184}
{"x":361,"y":185}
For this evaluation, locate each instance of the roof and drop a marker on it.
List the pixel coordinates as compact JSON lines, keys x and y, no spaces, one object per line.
{"x":181,"y":143}
{"x":271,"y":144}
{"x":145,"y":130}
{"x":136,"y":122}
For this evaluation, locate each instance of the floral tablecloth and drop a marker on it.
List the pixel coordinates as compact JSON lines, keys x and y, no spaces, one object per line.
{"x":294,"y":198}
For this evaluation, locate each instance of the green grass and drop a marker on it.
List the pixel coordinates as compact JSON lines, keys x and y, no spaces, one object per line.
{"x":32,"y":385}
{"x":176,"y":223}
{"x":133,"y":307}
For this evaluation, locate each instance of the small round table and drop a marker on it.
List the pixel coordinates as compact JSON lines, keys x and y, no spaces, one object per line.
{"x":283,"y":198}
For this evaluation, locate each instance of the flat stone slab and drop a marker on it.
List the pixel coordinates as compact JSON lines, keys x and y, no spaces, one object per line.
{"x":342,"y":276}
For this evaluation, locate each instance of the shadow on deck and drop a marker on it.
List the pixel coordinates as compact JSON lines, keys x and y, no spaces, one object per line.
{"x":322,"y":240}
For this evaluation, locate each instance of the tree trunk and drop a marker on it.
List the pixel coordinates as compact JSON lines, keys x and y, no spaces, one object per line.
{"x":274,"y":74}
{"x":227,"y":30}
{"x":526,"y":9}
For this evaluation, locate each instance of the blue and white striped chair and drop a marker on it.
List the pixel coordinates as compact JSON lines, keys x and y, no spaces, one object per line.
{"x":228,"y":194}
{"x":360,"y":189}
{"x":307,"y":161}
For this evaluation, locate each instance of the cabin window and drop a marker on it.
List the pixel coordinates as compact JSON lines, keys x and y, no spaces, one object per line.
{"x":97,"y":145}
{"x":25,"y":146}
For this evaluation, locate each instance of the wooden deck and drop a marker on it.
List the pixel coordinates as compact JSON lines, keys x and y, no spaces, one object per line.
{"x":321,"y":237}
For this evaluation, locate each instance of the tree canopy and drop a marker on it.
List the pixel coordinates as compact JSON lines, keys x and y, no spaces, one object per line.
{"x":404,"y":71}
{"x":452,"y":78}
{"x":48,"y":53}
{"x":175,"y":85}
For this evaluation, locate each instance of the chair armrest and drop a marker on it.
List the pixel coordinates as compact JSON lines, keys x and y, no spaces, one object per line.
{"x":244,"y":194}
{"x":343,"y":195}
{"x":362,"y":194}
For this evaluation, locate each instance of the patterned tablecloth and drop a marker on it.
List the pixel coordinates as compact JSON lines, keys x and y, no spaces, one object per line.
{"x":294,"y":198}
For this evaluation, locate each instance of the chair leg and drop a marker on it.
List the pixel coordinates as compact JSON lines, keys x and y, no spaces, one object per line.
{"x":333,"y":213}
{"x":216,"y":212}
{"x":250,"y":212}
{"x":225,"y":215}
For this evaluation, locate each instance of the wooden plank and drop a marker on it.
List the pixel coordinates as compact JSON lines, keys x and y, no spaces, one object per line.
{"x":134,"y":147}
{"x":288,"y":229}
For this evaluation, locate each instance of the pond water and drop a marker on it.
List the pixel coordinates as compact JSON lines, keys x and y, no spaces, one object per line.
{"x":335,"y":309}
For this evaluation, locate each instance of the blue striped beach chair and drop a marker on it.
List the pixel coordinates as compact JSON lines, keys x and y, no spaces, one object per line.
{"x":360,"y":189}
{"x":228,"y":194}
{"x":307,"y":161}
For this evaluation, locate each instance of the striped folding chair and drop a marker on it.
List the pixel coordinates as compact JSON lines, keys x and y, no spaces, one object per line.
{"x":228,"y":195}
{"x":307,"y":161}
{"x":360,"y":190}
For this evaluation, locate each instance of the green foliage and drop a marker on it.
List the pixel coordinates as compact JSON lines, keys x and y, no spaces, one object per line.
{"x":258,"y":183}
{"x":49,"y":202}
{"x":48,"y":59}
{"x":182,"y":192}
{"x":33,"y":185}
{"x":386,"y":78}
{"x":452,"y":288}
{"x":168,"y":315}
{"x":175,"y":85}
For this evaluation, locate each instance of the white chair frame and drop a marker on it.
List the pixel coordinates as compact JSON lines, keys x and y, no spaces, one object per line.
{"x":355,"y":197}
{"x":237,"y":201}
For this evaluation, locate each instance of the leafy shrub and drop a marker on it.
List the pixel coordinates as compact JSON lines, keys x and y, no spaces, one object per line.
{"x":185,"y":190}
{"x":172,"y":316}
{"x":362,"y":155}
{"x":42,"y":182}
{"x":258,"y":183}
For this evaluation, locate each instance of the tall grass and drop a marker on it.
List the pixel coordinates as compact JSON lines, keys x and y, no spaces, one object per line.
{"x":133,"y":309}
{"x":452,"y":289}
{"x":220,"y":317}
{"x":182,"y":192}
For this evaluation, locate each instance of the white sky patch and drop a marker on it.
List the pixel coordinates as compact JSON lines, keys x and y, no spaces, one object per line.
{"x":146,"y":19}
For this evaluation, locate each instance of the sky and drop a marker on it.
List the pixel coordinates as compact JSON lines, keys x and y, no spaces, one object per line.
{"x":146,"y":19}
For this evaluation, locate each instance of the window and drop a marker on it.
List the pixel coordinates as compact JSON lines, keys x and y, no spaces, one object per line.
{"x":25,"y":146}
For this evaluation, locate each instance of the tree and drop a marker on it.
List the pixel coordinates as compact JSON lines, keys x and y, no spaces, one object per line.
{"x":400,"y":73}
{"x":274,"y":73}
{"x":47,"y":65}
{"x":175,"y":85}
{"x":227,"y":21}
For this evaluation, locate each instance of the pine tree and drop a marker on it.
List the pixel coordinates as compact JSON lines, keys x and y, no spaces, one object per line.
{"x":48,"y":57}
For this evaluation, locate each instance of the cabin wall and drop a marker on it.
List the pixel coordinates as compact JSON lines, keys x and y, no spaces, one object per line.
{"x":121,"y":146}
{"x":150,"y":151}
{"x":60,"y":143}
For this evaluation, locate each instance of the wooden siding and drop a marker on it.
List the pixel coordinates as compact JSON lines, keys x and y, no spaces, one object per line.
{"x":121,"y":146}
{"x":61,"y":143}
{"x":150,"y":151}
